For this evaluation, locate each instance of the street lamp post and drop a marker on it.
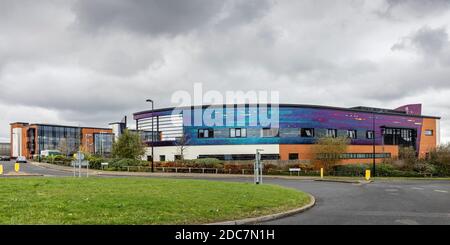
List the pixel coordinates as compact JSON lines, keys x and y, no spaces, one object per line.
{"x":153,"y":137}
{"x":373,"y":143}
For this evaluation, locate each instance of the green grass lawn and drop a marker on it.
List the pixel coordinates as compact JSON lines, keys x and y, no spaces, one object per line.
{"x":41,"y":200}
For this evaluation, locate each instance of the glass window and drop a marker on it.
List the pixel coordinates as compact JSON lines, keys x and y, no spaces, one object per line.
{"x":369,"y":134}
{"x":269,"y":132}
{"x":206,"y":133}
{"x":429,"y":132}
{"x":332,"y":133}
{"x":238,"y":132}
{"x":307,"y":132}
{"x":351,"y":134}
{"x":293,"y":156}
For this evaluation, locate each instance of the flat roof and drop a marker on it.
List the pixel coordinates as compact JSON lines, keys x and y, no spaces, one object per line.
{"x":353,"y":109}
{"x":58,"y":125}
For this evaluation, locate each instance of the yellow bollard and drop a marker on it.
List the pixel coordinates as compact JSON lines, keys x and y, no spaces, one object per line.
{"x":1,"y":169}
{"x":16,"y":167}
{"x":321,"y":173}
{"x":367,"y":175}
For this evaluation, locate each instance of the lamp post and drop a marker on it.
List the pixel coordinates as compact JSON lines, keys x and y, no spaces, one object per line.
{"x":373,"y":143}
{"x":153,"y":138}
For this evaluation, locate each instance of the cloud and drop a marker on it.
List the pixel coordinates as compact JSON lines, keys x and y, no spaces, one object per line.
{"x":402,"y":10}
{"x":170,"y":17}
{"x":432,"y":44}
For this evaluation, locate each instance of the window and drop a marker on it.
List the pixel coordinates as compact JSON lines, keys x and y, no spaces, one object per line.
{"x":293,"y":156}
{"x":162,"y":158}
{"x":269,"y":132}
{"x":369,"y":134}
{"x":400,"y":136}
{"x":177,"y":157}
{"x":429,"y":132}
{"x":332,"y":133}
{"x":238,"y":132}
{"x":307,"y":132}
{"x":206,"y":133}
{"x":351,"y":134}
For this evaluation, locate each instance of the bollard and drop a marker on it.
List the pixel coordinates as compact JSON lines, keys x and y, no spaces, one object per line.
{"x":1,"y":169}
{"x":321,"y":173}
{"x":367,"y":175}
{"x":17,"y":167}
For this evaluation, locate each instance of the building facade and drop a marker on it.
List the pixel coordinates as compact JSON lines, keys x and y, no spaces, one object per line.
{"x":238,"y":130}
{"x":5,"y":149}
{"x":30,"y":139}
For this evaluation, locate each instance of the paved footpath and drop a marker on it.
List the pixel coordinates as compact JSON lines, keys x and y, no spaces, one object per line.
{"x":403,"y":201}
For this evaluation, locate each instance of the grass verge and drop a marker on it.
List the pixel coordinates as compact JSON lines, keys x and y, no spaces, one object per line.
{"x":40,"y":200}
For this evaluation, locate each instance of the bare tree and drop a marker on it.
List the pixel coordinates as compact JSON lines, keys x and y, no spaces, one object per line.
{"x":182,"y":145}
{"x":63,"y":147}
{"x":327,"y":151}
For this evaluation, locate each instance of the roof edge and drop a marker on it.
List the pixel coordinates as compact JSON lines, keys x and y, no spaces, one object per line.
{"x":285,"y":105}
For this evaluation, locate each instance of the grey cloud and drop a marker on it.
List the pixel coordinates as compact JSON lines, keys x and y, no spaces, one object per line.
{"x":406,"y":9}
{"x":171,"y":17}
{"x":432,"y":43}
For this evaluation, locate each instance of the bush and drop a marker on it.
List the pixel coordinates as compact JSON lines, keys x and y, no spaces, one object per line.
{"x":58,"y":160}
{"x":196,"y":163}
{"x":384,"y":170}
{"x":440,"y":158}
{"x":95,"y":162}
{"x":349,"y":170}
{"x":237,"y":168}
{"x":424,"y":168}
{"x":208,"y":163}
{"x":119,"y":163}
{"x":408,"y":156}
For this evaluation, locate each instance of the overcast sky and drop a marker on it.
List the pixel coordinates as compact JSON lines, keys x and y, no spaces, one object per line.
{"x":90,"y":62}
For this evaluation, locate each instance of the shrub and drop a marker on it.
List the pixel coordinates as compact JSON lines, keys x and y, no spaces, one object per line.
{"x":208,"y":163}
{"x":384,"y":170}
{"x":95,"y":161}
{"x":349,"y":170}
{"x":120,"y":163}
{"x":424,"y":168}
{"x":408,"y":156}
{"x":440,"y":158}
{"x":237,"y":167}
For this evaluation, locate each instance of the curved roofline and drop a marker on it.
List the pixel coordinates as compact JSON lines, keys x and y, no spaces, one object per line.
{"x":286,"y":105}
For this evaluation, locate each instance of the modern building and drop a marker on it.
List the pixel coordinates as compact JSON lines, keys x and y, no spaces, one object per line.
{"x":5,"y":149}
{"x":238,"y":131}
{"x":30,"y":139}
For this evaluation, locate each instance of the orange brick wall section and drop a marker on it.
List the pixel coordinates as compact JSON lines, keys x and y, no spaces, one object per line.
{"x":306,"y":152}
{"x":427,"y":143}
{"x":88,"y":137}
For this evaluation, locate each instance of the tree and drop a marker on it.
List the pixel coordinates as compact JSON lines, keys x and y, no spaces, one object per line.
{"x":328,"y":150}
{"x":408,"y":156}
{"x":128,"y":145}
{"x":182,"y":144}
{"x":440,"y":157}
{"x":63,"y":147}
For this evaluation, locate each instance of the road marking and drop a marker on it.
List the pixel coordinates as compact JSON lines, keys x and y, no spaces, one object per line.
{"x":417,"y":188}
{"x":441,"y":191}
